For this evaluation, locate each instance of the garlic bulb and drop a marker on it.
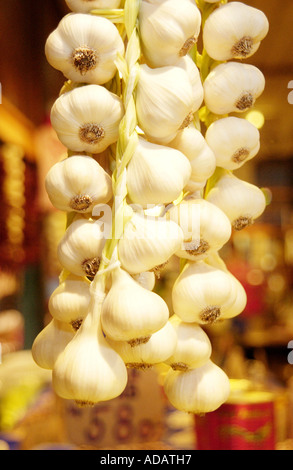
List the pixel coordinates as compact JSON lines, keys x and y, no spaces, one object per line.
{"x":193,"y":347}
{"x":241,"y":201}
{"x":81,"y":247}
{"x":156,"y":174}
{"x":130,"y":312}
{"x":84,"y":48}
{"x":233,"y":87}
{"x":164,"y":102}
{"x":234,"y":142}
{"x":205,"y":227}
{"x":148,"y":243}
{"x":204,"y":294}
{"x":158,"y":349}
{"x":146,"y":279}
{"x":51,"y":342}
{"x":168,"y":30}
{"x":86,"y":6}
{"x":89,"y":370}
{"x":201,"y":390}
{"x":77,"y":184}
{"x":234,"y":31}
{"x":87,"y":118}
{"x":193,"y":145}
{"x":69,"y":302}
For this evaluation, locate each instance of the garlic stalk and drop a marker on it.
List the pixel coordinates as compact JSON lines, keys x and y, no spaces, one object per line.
{"x":77,"y":184}
{"x":242,"y":202}
{"x":85,"y":6}
{"x":234,"y":31}
{"x":84,"y":48}
{"x":199,"y":391}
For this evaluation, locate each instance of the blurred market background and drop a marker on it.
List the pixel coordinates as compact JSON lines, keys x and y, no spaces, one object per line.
{"x":254,"y":347}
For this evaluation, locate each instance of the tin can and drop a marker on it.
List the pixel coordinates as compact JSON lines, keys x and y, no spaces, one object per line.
{"x":246,"y":422}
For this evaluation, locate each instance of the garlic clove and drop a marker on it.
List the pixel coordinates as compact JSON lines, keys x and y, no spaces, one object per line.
{"x":199,"y":391}
{"x":146,"y":279}
{"x":233,"y":87}
{"x":193,"y":145}
{"x":85,"y":6}
{"x":69,"y":302}
{"x":50,"y":343}
{"x":130,"y":312}
{"x":164,"y":102}
{"x":156,"y":174}
{"x":89,"y":370}
{"x":84,"y":48}
{"x":234,"y":31}
{"x":193,"y":347}
{"x":144,"y":356}
{"x":77,"y":184}
{"x":148,"y":243}
{"x":87,"y":118}
{"x":81,"y":247}
{"x":168,"y":30}
{"x":234,"y":142}
{"x":241,"y":201}
{"x":206,"y":228}
{"x":203,"y":294}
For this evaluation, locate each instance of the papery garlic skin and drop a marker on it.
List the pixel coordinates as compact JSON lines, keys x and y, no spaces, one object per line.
{"x":84,"y":48}
{"x":193,"y":347}
{"x":234,"y":31}
{"x":204,"y":294}
{"x":146,"y":279}
{"x":193,"y":145}
{"x":205,"y":227}
{"x":158,"y":349}
{"x":77,"y":184}
{"x":51,"y":342}
{"x":87,"y":118}
{"x":189,"y":66}
{"x":164,"y":102}
{"x":81,"y":247}
{"x":234,"y":142}
{"x":199,"y":391}
{"x":130,"y":312}
{"x":70,"y":301}
{"x":156,"y":174}
{"x":233,"y":87}
{"x":85,"y":6}
{"x":148,"y":242}
{"x":89,"y":370}
{"x":168,"y":30}
{"x":241,"y":201}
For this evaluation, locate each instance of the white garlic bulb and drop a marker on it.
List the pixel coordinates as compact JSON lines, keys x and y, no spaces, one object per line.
{"x":168,"y":30}
{"x":148,"y":243}
{"x":233,"y":87}
{"x":204,"y":294}
{"x":81,"y":247}
{"x":69,"y":302}
{"x":199,"y":391}
{"x":158,"y":349}
{"x":50,"y":343}
{"x":193,"y":347}
{"x":205,"y":227}
{"x":87,"y":118}
{"x":193,"y":145}
{"x":234,"y":142}
{"x":241,"y":201}
{"x":156,"y":174}
{"x":164,"y":102}
{"x":234,"y":31}
{"x":84,"y":48}
{"x":89,"y":370}
{"x":130,"y":312}
{"x":86,"y":6}
{"x":77,"y":184}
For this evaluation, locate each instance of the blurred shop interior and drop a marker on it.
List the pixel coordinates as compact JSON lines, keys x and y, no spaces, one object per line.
{"x":254,"y":347}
